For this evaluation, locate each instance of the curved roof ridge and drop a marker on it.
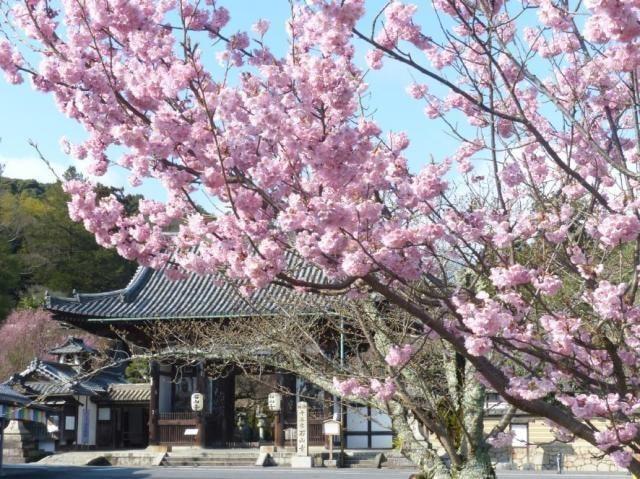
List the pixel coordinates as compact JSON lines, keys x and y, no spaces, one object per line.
{"x":151,"y":295}
{"x":126,"y":294}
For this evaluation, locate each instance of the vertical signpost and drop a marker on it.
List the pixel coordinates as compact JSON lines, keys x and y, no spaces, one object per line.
{"x":331,"y":428}
{"x":154,"y":404}
{"x":302,"y":458}
{"x":274,"y":402}
{"x":1,"y":441}
{"x":302,"y":448}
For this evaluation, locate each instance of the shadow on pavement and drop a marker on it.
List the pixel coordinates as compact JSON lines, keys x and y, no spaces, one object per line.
{"x":70,"y":472}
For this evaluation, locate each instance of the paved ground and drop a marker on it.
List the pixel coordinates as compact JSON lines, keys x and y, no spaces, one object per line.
{"x":63,"y":472}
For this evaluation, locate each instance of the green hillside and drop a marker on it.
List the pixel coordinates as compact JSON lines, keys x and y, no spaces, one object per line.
{"x":42,"y":249}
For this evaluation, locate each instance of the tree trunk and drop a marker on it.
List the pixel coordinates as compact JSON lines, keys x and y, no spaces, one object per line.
{"x":476,"y":468}
{"x":420,"y":452}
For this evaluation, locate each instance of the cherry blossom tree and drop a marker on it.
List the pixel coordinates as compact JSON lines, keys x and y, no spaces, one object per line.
{"x":525,"y":260}
{"x":433,"y":400}
{"x":27,"y":334}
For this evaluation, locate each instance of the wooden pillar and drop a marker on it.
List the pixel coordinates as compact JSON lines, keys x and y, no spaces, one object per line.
{"x":229,"y":418}
{"x":286,"y":386}
{"x":154,"y":404}
{"x":278,"y":429}
{"x":201,"y":387}
{"x":1,"y":442}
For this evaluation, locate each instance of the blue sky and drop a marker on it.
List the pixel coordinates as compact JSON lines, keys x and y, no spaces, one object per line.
{"x":28,"y":114}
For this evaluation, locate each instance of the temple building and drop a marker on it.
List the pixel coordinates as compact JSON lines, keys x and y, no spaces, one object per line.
{"x":88,"y":405}
{"x":168,"y":417}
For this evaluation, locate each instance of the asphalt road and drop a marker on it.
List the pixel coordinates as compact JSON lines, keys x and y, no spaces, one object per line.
{"x":94,"y":472}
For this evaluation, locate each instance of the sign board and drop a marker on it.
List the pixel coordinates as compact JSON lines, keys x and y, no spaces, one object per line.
{"x":331,"y":428}
{"x":197,"y":402}
{"x":274,"y":401}
{"x":302,"y":430}
{"x":191,"y":432}
{"x":69,"y":423}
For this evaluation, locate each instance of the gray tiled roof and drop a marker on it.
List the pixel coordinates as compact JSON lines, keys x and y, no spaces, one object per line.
{"x":9,"y":396}
{"x":72,"y":346}
{"x":151,"y":295}
{"x":46,"y":378}
{"x":128,"y":393}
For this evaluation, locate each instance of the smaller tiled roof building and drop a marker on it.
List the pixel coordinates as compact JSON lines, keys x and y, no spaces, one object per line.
{"x":81,"y":397}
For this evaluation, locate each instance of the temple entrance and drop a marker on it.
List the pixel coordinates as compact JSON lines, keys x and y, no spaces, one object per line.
{"x":253,"y":414}
{"x":122,"y":427}
{"x":171,"y":419}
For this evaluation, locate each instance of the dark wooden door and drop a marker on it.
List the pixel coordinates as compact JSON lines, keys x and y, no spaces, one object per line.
{"x":104,"y":434}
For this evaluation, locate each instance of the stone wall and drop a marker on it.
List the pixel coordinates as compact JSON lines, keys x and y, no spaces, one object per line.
{"x":19,"y":445}
{"x":545,"y":458}
{"x":543,"y":450}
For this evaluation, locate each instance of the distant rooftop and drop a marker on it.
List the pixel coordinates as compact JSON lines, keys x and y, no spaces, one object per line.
{"x":9,"y":396}
{"x":72,"y":346}
{"x":47,"y":378}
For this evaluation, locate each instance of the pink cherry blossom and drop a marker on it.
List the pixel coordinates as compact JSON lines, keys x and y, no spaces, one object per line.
{"x":509,"y":277}
{"x":607,"y":300}
{"x":261,"y":27}
{"x":280,"y":160}
{"x":615,"y":229}
{"x":399,"y":355}
{"x":501,"y":439}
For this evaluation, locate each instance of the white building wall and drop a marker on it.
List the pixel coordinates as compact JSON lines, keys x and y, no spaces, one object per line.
{"x":87,"y":421}
{"x":381,"y":421}
{"x":164,"y":393}
{"x":358,"y":421}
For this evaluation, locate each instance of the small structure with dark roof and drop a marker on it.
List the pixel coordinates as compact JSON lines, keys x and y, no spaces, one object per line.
{"x":72,"y":346}
{"x":81,"y":397}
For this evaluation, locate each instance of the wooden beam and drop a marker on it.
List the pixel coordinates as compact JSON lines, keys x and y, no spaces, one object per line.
{"x":201,"y":387}
{"x":154,"y":404}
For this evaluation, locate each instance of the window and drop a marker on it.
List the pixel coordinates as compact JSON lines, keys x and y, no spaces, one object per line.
{"x":69,"y":423}
{"x":53,"y":424}
{"x":520,"y":435}
{"x":104,"y":414}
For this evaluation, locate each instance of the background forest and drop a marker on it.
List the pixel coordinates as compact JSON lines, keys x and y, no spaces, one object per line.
{"x":41,"y":249}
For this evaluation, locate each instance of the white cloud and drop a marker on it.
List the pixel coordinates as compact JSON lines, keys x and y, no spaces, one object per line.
{"x":26,"y":168}
{"x":33,"y":168}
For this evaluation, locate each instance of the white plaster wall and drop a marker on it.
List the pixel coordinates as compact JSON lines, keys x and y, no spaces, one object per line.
{"x":380,"y":420}
{"x":381,"y":442}
{"x":357,"y":419}
{"x":357,"y":442}
{"x":164,"y":392}
{"x":87,"y":412}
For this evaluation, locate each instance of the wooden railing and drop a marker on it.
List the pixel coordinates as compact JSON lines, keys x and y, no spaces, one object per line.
{"x":177,"y":416}
{"x":173,"y":425}
{"x":316,"y":419}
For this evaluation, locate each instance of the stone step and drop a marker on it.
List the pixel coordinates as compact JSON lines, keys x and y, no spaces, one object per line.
{"x":235,"y":460}
{"x":208,"y":464}
{"x":398,"y":462}
{"x":360,"y":463}
{"x":212,"y":456}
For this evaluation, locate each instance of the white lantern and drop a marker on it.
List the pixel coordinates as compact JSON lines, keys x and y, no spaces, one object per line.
{"x":197,"y":401}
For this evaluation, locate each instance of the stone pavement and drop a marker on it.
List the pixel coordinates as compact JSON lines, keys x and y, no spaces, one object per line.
{"x":96,"y":472}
